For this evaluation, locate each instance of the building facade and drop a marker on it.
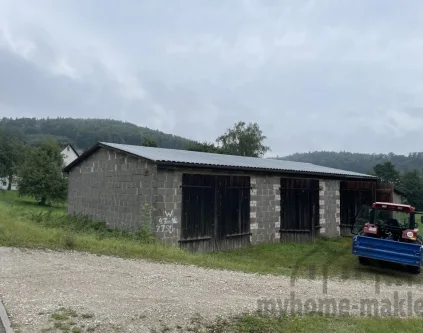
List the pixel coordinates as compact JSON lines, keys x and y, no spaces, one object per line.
{"x":209,"y":202}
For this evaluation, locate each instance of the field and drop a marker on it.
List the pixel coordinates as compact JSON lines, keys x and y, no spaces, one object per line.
{"x":23,"y":223}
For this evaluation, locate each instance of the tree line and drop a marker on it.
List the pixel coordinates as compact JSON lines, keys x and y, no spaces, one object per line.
{"x":359,"y":162}
{"x":38,"y":167}
{"x":83,"y":133}
{"x":409,"y":182}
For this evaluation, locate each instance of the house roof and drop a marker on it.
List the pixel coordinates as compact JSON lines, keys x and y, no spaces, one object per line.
{"x":162,"y":156}
{"x":74,"y":150}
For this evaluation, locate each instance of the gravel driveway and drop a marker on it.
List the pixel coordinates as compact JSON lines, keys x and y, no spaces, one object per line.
{"x":123,"y":295}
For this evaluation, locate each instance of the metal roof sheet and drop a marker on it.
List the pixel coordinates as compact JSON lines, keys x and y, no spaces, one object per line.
{"x":162,"y":155}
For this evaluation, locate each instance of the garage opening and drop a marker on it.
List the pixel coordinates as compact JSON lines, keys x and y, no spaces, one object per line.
{"x":215,"y":212}
{"x":354,"y":194}
{"x":299,"y":209}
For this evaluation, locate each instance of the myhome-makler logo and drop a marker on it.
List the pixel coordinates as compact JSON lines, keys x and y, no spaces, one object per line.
{"x":401,"y":305}
{"x":398,"y":303}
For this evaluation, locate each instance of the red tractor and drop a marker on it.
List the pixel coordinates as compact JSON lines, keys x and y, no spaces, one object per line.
{"x":388,"y":231}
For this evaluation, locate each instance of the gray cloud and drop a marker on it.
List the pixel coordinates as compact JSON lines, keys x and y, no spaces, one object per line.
{"x":316,"y":75}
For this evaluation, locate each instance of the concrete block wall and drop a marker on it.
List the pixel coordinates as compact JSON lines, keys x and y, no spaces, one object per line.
{"x":329,"y":204}
{"x":168,"y":206}
{"x":264,"y":209}
{"x":113,"y":187}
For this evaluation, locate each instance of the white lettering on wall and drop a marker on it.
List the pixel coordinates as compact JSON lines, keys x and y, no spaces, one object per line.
{"x":167,"y":222}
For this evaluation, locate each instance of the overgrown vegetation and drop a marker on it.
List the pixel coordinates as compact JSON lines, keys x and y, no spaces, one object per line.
{"x":26,"y":224}
{"x":67,"y":320}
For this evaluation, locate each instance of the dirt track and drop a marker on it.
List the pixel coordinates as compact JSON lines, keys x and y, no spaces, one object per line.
{"x":134,"y":295}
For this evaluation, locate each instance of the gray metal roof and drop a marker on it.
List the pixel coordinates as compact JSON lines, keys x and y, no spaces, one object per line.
{"x":162,"y":155}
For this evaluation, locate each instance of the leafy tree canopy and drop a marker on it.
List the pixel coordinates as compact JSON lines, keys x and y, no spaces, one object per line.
{"x":10,"y":155}
{"x":412,"y":185}
{"x":40,"y":176}
{"x":243,"y":140}
{"x":387,"y":173}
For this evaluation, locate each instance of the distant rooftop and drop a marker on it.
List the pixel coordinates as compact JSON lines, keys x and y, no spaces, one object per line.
{"x":192,"y":158}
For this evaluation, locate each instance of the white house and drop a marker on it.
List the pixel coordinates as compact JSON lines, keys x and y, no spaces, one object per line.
{"x":4,"y":184}
{"x":69,"y":154}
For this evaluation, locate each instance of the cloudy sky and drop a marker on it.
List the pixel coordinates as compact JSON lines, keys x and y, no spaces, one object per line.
{"x":315,"y":75}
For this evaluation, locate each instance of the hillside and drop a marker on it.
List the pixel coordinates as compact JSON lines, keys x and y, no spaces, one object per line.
{"x":83,"y":133}
{"x":359,"y":162}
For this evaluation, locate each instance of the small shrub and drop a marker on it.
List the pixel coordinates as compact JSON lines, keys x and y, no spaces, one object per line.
{"x":69,"y":241}
{"x":145,"y":235}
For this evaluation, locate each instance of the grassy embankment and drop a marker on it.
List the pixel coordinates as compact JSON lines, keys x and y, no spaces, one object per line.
{"x":23,"y":223}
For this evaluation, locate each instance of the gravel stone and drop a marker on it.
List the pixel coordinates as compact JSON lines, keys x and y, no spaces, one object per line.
{"x":127,"y":295}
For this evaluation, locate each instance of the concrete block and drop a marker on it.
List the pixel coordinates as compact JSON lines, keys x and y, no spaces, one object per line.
{"x":253,"y":226}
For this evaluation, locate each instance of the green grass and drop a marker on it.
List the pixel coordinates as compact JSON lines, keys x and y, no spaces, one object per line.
{"x":319,"y":323}
{"x":23,"y":223}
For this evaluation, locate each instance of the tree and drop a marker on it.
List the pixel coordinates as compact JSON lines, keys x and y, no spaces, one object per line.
{"x":243,"y":140}
{"x":149,"y":142}
{"x":41,"y":175}
{"x":205,"y":147}
{"x":412,"y":185}
{"x":10,"y":154}
{"x":388,"y":173}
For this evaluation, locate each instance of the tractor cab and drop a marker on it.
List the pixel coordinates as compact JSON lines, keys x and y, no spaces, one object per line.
{"x":388,"y":232}
{"x":387,"y":220}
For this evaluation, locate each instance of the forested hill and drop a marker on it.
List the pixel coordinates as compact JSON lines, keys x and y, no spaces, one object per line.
{"x":359,"y":162}
{"x":83,"y":133}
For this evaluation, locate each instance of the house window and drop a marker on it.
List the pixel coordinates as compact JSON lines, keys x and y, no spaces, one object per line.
{"x":4,"y":183}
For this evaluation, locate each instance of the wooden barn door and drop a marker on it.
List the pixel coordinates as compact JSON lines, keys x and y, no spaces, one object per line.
{"x":353,"y":195}
{"x":215,"y":212}
{"x":299,"y":209}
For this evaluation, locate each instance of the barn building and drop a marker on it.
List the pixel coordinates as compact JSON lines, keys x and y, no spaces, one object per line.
{"x":208,"y":202}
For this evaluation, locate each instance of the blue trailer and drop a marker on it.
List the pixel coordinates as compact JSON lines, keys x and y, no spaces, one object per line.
{"x":388,"y":232}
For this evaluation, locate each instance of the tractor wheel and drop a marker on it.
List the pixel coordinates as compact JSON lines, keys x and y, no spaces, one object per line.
{"x":413,"y":269}
{"x":363,"y":260}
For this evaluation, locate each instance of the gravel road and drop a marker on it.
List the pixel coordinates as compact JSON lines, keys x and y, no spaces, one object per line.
{"x":123,"y":295}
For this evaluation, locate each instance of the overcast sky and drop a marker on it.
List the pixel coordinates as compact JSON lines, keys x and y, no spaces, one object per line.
{"x":315,"y":75}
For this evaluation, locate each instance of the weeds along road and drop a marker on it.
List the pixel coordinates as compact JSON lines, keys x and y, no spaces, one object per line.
{"x":122,"y":295}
